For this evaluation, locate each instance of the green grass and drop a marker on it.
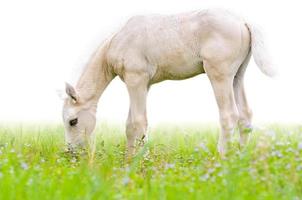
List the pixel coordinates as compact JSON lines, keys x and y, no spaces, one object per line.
{"x":176,"y":163}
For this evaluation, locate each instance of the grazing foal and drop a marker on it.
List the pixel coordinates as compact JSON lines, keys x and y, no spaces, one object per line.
{"x":154,"y":48}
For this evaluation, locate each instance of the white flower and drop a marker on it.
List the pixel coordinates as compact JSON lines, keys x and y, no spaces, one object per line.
{"x":217,"y":165}
{"x":203,"y":147}
{"x":24,"y":166}
{"x":220,"y":174}
{"x":204,"y":177}
{"x":73,"y":160}
{"x":127,"y":169}
{"x":11,"y":170}
{"x":300,"y":145}
{"x":289,"y":149}
{"x":270,"y":133}
{"x":277,"y":154}
{"x":279,"y":143}
{"x":37,"y":167}
{"x":252,"y":171}
{"x":126,"y":180}
{"x":29,"y":182}
{"x":169,"y":165}
{"x":299,"y":167}
{"x":27,"y":145}
{"x":211,"y":170}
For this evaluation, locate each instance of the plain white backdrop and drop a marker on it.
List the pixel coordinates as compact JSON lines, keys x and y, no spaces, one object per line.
{"x":45,"y":43}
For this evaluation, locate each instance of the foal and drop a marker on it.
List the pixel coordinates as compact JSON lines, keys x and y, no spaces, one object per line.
{"x":154,"y":48}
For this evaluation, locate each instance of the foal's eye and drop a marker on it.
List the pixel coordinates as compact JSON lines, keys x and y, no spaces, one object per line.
{"x":73,"y":122}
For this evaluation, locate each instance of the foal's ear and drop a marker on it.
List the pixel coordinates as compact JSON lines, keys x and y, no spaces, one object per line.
{"x":70,"y":91}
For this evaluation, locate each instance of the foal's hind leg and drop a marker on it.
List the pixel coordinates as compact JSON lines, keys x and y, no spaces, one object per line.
{"x":245,"y":113}
{"x":222,"y":83}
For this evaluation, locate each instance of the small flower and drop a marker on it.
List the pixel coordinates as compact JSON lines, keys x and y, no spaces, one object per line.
{"x":289,"y":150}
{"x":252,"y":171}
{"x":279,"y":143}
{"x":271,"y":133}
{"x":296,"y":198}
{"x":300,"y":145}
{"x":277,"y":154}
{"x":217,"y":165}
{"x":24,"y":166}
{"x":37,"y":167}
{"x":11,"y":170}
{"x":169,"y":165}
{"x":298,"y":159}
{"x":126,"y":180}
{"x":127,"y":169}
{"x":211,"y":170}
{"x":29,"y":182}
{"x":299,"y":167}
{"x":204,"y":177}
{"x":203,"y":147}
{"x":213,"y":178}
{"x":27,"y":145}
{"x":73,"y":160}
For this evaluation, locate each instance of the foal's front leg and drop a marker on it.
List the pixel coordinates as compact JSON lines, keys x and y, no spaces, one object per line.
{"x":136,"y":128}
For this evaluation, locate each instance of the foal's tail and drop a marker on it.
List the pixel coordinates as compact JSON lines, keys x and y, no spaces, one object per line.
{"x":260,"y":53}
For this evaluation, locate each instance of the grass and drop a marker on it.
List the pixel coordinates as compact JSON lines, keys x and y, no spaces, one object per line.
{"x":177,"y":163}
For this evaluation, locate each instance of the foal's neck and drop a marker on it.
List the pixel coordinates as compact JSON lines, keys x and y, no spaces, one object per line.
{"x":95,"y":77}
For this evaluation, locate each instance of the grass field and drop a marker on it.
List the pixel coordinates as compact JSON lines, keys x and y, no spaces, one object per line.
{"x":177,"y":163}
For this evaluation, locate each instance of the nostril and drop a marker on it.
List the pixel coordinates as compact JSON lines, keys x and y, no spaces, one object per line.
{"x":73,"y":122}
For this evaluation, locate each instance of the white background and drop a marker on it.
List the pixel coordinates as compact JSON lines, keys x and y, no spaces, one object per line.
{"x":45,"y":43}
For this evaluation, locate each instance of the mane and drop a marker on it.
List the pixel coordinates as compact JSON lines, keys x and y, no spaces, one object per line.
{"x":84,"y":60}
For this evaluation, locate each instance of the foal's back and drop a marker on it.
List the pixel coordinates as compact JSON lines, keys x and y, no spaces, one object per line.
{"x":175,"y":46}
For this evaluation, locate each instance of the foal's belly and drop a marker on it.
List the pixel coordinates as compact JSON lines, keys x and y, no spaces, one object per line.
{"x":177,"y":72}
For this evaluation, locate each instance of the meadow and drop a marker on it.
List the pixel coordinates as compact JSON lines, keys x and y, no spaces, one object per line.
{"x":178,"y":162}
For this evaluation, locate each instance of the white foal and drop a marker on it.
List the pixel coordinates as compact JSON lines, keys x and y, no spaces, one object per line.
{"x":151,"y":49}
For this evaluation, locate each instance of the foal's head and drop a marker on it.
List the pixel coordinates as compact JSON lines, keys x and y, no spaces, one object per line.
{"x":78,"y":117}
